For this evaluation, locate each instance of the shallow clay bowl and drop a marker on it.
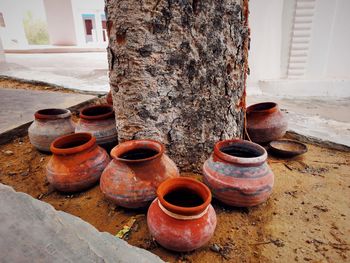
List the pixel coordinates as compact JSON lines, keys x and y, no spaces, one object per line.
{"x":287,"y":148}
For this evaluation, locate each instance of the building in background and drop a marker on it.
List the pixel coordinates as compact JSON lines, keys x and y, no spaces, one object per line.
{"x":300,"y":47}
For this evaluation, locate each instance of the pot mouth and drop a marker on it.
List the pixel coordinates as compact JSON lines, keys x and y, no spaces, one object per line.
{"x":135,"y":151}
{"x":97,"y":112}
{"x":262,"y":107}
{"x":52,"y":114}
{"x":184,"y":196}
{"x":240,"y":152}
{"x":72,"y":143}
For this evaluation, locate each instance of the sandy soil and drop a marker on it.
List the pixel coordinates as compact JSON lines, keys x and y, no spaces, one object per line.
{"x":306,"y":218}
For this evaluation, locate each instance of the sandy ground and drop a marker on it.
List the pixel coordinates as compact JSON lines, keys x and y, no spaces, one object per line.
{"x":306,"y":218}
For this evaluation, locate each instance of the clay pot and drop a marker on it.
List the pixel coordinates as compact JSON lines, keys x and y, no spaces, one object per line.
{"x":99,"y":120}
{"x":265,"y":122}
{"x":182,"y":218}
{"x":109,"y":98}
{"x":237,"y":173}
{"x":137,"y":169}
{"x":77,"y":162}
{"x":48,"y":125}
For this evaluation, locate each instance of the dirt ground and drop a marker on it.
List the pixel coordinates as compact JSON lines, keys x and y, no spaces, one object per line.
{"x":305,"y":219}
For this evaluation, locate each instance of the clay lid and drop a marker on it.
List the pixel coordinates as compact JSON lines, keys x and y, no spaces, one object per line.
{"x":72,"y":143}
{"x":97,"y":112}
{"x":263,"y":107}
{"x":240,"y":152}
{"x":52,"y":114}
{"x":184,"y":183}
{"x":153,"y":149}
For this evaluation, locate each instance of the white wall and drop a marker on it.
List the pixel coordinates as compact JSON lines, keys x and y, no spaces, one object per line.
{"x":94,"y":7}
{"x":265,"y":22}
{"x":60,"y":22}
{"x":13,"y":35}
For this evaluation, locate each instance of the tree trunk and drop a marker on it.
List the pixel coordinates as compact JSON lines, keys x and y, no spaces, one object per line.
{"x":177,"y":72}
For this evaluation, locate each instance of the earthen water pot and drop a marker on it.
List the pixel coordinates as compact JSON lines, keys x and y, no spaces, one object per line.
{"x":99,"y":120}
{"x":265,"y":122}
{"x":77,"y":162}
{"x":109,"y":98}
{"x":182,"y":218}
{"x":237,"y":173}
{"x":48,"y":125}
{"x":137,"y":169}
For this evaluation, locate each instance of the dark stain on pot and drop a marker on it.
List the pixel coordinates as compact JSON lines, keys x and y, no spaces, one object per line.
{"x":237,"y":151}
{"x":184,"y":198}
{"x":138,"y":154}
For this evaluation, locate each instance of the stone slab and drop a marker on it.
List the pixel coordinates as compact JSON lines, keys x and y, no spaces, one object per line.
{"x":33,"y":231}
{"x":18,"y":106}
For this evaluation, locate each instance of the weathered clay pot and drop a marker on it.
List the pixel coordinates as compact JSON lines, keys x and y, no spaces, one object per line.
{"x":137,"y":169}
{"x":109,"y":98}
{"x":99,"y":120}
{"x":265,"y":122}
{"x":48,"y":125}
{"x":182,"y":218}
{"x":77,"y":162}
{"x":237,"y":173}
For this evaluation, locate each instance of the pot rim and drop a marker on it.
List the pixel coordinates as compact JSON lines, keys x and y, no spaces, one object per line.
{"x":240,"y":160}
{"x":271,"y":107}
{"x":137,"y":144}
{"x":83,"y":113}
{"x":90,"y":142}
{"x":44,"y":114}
{"x":184,"y":183}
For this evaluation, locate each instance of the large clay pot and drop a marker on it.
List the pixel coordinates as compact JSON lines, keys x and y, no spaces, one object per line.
{"x":48,"y":125}
{"x":77,"y":162}
{"x":182,"y":218}
{"x":237,"y":173}
{"x":137,"y":169}
{"x":265,"y":122}
{"x":99,"y":120}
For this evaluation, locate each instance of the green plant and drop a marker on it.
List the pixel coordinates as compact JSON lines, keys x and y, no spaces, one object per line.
{"x":35,"y":30}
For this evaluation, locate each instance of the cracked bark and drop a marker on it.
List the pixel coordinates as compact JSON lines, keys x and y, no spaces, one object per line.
{"x":178,"y":71}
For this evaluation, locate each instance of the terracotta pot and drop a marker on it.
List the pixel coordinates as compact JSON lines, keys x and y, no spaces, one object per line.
{"x":237,"y":173}
{"x":77,"y":162}
{"x":109,"y":98}
{"x":48,"y":125}
{"x":182,"y":218}
{"x":265,"y":122}
{"x":99,"y":120}
{"x":137,"y":169}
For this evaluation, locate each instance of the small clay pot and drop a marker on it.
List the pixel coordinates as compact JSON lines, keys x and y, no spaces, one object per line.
{"x":99,"y":120}
{"x":265,"y":122}
{"x":48,"y":125}
{"x":237,"y":173}
{"x":109,"y":98}
{"x":137,"y":169}
{"x":182,"y":218}
{"x":77,"y":162}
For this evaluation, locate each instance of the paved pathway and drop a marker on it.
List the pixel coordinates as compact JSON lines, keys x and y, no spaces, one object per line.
{"x":18,"y":106}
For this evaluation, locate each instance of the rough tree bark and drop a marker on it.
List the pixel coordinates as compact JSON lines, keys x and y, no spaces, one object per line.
{"x":177,"y":72}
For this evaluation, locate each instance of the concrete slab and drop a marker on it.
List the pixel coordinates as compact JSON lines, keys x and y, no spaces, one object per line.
{"x":17,"y":106}
{"x":83,"y":71}
{"x":327,"y":120}
{"x":33,"y":231}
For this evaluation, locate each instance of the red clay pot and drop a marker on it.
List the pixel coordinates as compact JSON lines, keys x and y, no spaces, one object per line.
{"x":265,"y":122}
{"x":109,"y":98}
{"x":237,"y":173}
{"x":48,"y":125}
{"x":99,"y":120}
{"x":137,"y":169}
{"x":77,"y":162}
{"x":182,"y":218}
